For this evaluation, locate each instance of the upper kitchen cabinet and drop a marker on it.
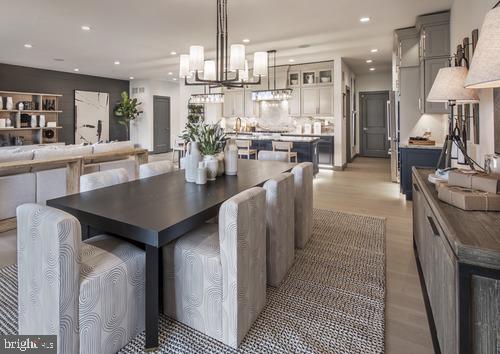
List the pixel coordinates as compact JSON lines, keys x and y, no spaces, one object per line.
{"x":249,"y":104}
{"x":294,"y":79}
{"x":314,"y":77}
{"x":317,"y":101}
{"x":294,"y":103}
{"x":434,"y":32}
{"x":407,"y":47}
{"x":234,"y":103}
{"x":429,"y":69}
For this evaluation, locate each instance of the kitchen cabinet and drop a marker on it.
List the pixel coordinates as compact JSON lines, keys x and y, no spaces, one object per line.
{"x":234,"y":104}
{"x":435,"y":40}
{"x":249,"y":104}
{"x":429,"y":69}
{"x":294,"y":103}
{"x":325,"y":150}
{"x":317,"y":101}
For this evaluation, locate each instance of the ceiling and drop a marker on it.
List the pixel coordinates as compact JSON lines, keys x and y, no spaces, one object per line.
{"x":142,"y":34}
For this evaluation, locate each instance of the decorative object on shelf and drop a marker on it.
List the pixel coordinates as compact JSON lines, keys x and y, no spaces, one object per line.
{"x":212,"y":164}
{"x":207,"y":98}
{"x":127,"y":111}
{"x":8,"y":123}
{"x":220,"y":160}
{"x":91,"y":117}
{"x":42,"y":121}
{"x":492,"y":164}
{"x":34,"y":122}
{"x":309,"y":78}
{"x":51,"y":124}
{"x":3,"y":123}
{"x":10,"y":104}
{"x":216,"y":72}
{"x":485,"y":66}
{"x":192,"y":159}
{"x":201,"y":174}
{"x":231,"y":158}
{"x":272,"y":94}
{"x":1,"y":103}
{"x":18,"y":120}
{"x":20,"y":106}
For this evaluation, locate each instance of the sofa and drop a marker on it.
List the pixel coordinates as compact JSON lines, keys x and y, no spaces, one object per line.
{"x":40,"y":183}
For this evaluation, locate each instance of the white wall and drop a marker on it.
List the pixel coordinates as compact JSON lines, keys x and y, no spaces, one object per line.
{"x":141,"y":132}
{"x":466,"y":16}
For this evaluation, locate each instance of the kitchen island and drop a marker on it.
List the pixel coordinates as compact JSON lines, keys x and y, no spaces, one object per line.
{"x":306,"y":147}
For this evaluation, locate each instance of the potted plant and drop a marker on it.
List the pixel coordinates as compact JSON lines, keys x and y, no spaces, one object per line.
{"x":211,"y":139}
{"x":127,"y":111}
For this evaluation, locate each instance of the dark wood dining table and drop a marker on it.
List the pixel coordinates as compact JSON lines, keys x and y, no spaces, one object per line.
{"x":157,"y":210}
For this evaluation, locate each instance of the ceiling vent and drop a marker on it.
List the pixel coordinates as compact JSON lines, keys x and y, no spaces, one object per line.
{"x":136,"y":90}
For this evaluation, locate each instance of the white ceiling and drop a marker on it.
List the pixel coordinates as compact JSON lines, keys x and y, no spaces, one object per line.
{"x":141,"y":34}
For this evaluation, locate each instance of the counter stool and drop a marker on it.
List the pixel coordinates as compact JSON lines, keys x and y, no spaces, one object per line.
{"x":285,"y":146}
{"x":244,"y":149}
{"x":179,"y":148}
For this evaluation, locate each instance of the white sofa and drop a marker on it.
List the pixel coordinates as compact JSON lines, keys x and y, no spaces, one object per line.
{"x":39,"y":185}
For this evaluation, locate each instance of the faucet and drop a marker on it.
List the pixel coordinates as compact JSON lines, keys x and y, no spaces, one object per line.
{"x":238,"y":124}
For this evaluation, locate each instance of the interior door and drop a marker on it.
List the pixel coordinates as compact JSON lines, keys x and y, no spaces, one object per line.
{"x":374,"y":132}
{"x":161,"y":126}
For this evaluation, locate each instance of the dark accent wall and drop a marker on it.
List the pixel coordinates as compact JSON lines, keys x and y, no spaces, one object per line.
{"x":25,"y":79}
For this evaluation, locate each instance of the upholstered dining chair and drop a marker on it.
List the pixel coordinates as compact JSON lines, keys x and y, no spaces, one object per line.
{"x":303,"y":179}
{"x":155,"y":168}
{"x":102,"y":179}
{"x":90,"y":294}
{"x":215,"y":276}
{"x":280,"y":227}
{"x":265,"y":155}
{"x":244,"y":149}
{"x":286,"y":146}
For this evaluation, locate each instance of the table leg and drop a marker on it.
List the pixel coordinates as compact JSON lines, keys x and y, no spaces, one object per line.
{"x":152,"y":299}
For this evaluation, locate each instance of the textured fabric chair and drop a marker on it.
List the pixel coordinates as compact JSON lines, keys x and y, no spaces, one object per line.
{"x":280,"y":227}
{"x":90,"y":294}
{"x":102,"y":179}
{"x":155,"y":168}
{"x":303,"y":176}
{"x":215,"y":276}
{"x":265,"y":155}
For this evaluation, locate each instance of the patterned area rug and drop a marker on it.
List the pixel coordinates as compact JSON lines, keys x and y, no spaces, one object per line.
{"x":332,"y":301}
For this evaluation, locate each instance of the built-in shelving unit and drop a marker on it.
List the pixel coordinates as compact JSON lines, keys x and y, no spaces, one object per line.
{"x":38,"y":104}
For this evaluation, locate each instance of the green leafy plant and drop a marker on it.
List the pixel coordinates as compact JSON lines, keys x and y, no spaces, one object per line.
{"x":127,"y":110}
{"x":211,"y":138}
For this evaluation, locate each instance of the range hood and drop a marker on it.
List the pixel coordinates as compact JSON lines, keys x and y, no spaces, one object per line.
{"x":273,"y":94}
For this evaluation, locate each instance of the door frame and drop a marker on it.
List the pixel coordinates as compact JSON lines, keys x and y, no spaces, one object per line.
{"x":169,"y":146}
{"x":362,"y":121}
{"x":347,"y":117}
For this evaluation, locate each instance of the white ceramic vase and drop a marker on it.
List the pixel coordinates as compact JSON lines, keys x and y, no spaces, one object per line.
{"x":193,"y":157}
{"x":10,"y":104}
{"x":33,"y":121}
{"x":201,"y":174}
{"x":212,"y":165}
{"x":1,"y":103}
{"x":231,"y":158}
{"x":42,"y":121}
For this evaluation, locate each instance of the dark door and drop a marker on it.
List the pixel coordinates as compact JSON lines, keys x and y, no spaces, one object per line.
{"x":161,"y":126}
{"x":347,"y":117}
{"x":374,"y":138}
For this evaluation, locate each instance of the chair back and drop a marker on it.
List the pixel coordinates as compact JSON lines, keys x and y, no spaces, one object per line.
{"x":48,"y":261}
{"x":303,"y":180}
{"x":242,"y":237}
{"x":282,"y":146}
{"x":244,"y":144}
{"x":280,"y":227}
{"x":103,"y":179}
{"x":180,"y":143}
{"x":273,"y":156}
{"x":155,"y":168}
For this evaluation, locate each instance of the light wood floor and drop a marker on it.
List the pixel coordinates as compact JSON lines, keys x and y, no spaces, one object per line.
{"x":363,"y":188}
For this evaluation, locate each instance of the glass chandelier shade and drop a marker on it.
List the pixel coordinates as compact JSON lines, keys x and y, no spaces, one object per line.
{"x":184,"y":66}
{"x":209,"y":70}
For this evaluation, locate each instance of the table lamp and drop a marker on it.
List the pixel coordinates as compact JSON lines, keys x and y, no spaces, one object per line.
{"x":448,"y":87}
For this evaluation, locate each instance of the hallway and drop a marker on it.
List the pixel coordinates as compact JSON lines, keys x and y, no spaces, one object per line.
{"x":365,"y":188}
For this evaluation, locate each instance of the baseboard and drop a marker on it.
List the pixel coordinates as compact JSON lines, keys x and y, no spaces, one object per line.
{"x":428,"y":310}
{"x":340,"y":168}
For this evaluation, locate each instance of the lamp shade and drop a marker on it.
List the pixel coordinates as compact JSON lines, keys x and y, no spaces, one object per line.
{"x":485,"y":66}
{"x":260,"y":64}
{"x":244,"y":73}
{"x":209,"y":70}
{"x":196,"y":58}
{"x":449,"y":86}
{"x":237,"y":58}
{"x":184,"y":66}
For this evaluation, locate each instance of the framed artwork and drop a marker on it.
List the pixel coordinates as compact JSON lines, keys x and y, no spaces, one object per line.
{"x":91,"y":117}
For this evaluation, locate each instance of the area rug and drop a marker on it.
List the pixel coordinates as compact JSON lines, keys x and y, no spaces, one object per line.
{"x":332,"y":300}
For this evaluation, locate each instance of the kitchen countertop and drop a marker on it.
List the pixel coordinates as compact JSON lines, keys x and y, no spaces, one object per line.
{"x":298,"y":139}
{"x":408,"y":146}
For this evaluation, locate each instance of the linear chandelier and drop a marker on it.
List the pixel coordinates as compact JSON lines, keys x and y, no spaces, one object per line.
{"x":226,"y":70}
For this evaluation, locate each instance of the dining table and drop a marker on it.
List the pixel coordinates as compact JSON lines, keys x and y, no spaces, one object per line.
{"x":154,"y":211}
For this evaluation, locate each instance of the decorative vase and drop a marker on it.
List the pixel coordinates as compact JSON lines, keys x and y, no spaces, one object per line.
{"x":193,"y":157}
{"x":220,"y":163}
{"x":18,"y":120}
{"x":1,"y":103}
{"x":33,"y":121}
{"x":212,"y":165}
{"x":231,"y":158}
{"x":201,"y":175}
{"x":20,"y":106}
{"x":10,"y":104}
{"x":42,"y":121}
{"x":8,"y":123}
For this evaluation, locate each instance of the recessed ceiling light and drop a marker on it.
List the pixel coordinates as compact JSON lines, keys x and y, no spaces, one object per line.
{"x":173,"y":53}
{"x":131,"y":78}
{"x":86,"y":28}
{"x":374,"y":50}
{"x":291,"y":60}
{"x":364,"y":19}
{"x":76,"y":69}
{"x":175,"y":79}
{"x":372,"y":69}
{"x":27,"y":45}
{"x":117,"y":62}
{"x":369,"y":61}
{"x":170,"y":73}
{"x":246,"y":40}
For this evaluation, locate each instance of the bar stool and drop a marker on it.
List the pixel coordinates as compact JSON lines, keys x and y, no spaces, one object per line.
{"x":244,"y":149}
{"x":179,"y":148}
{"x":285,"y":146}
